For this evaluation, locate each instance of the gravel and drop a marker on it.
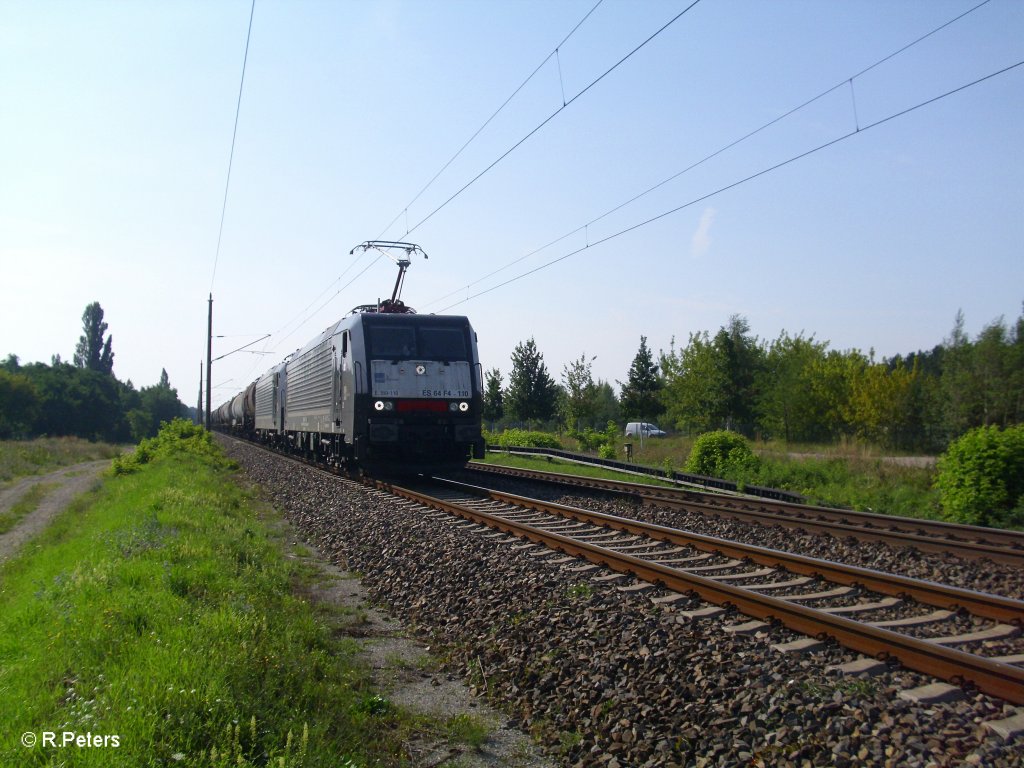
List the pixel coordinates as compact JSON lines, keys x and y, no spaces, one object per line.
{"x":979,"y":575}
{"x":603,"y":677}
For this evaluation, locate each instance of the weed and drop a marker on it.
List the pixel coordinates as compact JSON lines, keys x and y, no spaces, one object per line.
{"x":577,"y":591}
{"x":569,"y":740}
{"x":466,"y":729}
{"x":19,"y":458}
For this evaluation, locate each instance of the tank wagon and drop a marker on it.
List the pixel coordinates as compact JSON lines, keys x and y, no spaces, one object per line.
{"x":382,"y":388}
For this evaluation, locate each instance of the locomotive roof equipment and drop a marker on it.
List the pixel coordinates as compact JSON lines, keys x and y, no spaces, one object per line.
{"x":394,"y":305}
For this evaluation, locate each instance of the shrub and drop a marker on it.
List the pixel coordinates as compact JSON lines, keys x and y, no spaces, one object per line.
{"x":606,"y":443}
{"x":521,"y":438}
{"x":981,"y":477}
{"x":722,"y":454}
{"x":177,"y":436}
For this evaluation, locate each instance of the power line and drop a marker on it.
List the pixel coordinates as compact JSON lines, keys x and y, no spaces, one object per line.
{"x":333,"y":296}
{"x":231,"y":157}
{"x":488,"y":120}
{"x":505,"y":154}
{"x":302,"y":311}
{"x":763,"y":172}
{"x":585,"y":227}
{"x":550,"y":117}
{"x":479,"y":130}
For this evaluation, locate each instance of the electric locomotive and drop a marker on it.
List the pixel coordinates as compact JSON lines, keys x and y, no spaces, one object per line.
{"x":383,"y":388}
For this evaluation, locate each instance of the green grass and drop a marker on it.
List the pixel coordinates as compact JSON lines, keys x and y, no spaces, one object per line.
{"x":861,"y":483}
{"x":466,"y":729}
{"x":45,"y":454}
{"x":160,"y":609}
{"x":28,"y":503}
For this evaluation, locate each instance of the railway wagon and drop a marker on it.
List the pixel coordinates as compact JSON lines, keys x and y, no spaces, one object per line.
{"x":270,"y":393}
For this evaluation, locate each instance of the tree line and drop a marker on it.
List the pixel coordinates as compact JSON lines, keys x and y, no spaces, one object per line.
{"x":793,"y":388}
{"x":83,"y":398}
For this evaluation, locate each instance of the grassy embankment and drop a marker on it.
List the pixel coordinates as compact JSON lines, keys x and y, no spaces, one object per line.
{"x":161,"y":610}
{"x":45,"y":454}
{"x":845,"y":475}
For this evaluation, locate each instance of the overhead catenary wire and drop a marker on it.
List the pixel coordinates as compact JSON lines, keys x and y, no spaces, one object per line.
{"x":234,"y":136}
{"x":586,"y":226}
{"x":551,"y":117}
{"x":404,"y":211}
{"x":788,"y":113}
{"x":453,"y":158}
{"x":751,"y":177}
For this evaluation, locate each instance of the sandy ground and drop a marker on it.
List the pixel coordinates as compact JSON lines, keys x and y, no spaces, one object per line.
{"x":68,"y":483}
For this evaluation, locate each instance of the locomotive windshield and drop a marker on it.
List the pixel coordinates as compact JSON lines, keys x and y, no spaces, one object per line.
{"x":442,"y":344}
{"x":393,"y":343}
{"x":417,"y":343}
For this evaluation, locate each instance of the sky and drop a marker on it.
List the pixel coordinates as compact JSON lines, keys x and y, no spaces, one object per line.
{"x":117,"y":121}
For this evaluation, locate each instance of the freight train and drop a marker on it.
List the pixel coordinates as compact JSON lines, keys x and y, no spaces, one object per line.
{"x":383,"y":388}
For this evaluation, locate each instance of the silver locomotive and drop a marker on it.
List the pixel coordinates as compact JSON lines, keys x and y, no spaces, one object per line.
{"x":382,"y":387}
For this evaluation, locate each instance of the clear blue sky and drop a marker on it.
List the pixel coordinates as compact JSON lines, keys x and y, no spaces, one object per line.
{"x":116,"y":122}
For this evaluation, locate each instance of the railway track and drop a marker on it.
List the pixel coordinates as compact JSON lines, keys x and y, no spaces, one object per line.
{"x":966,"y":541}
{"x":925,"y":626}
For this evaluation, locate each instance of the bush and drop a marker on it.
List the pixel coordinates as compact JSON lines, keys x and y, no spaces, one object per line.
{"x":722,"y":454}
{"x":981,"y":477}
{"x":177,"y":436}
{"x":605,"y":443}
{"x":521,"y":438}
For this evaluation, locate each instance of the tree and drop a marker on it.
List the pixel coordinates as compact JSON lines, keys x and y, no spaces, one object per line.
{"x":580,"y":392}
{"x":156,"y":405}
{"x":789,"y":405}
{"x":742,"y":359}
{"x":77,"y":401}
{"x":641,"y":394}
{"x":831,"y":378}
{"x":994,"y":375}
{"x":19,"y":402}
{"x":880,"y":403}
{"x":494,"y":407}
{"x":92,"y":351}
{"x":606,"y":405}
{"x":696,"y":385}
{"x":532,"y":393}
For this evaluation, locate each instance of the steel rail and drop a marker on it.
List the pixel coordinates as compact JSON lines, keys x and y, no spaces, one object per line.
{"x":1004,"y":609}
{"x":926,"y":535}
{"x":991,"y":677}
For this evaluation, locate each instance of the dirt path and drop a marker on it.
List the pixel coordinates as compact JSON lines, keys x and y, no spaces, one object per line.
{"x":921,"y":462}
{"x":403,"y":668}
{"x":69,"y":483}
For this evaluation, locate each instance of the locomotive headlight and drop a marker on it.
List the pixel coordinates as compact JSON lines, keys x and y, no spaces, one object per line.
{"x":463,"y":407}
{"x":388,"y":405}
{"x":453,"y":407}
{"x":379,"y":405}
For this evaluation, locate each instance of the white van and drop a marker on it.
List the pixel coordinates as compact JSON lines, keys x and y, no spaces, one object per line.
{"x":643,"y":429}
